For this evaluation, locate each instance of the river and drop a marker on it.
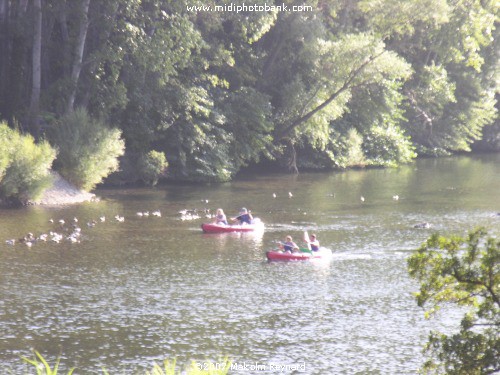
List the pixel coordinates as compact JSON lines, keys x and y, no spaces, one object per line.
{"x":149,"y":288}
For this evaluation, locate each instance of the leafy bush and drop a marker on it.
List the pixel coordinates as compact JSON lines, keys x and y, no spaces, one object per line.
{"x":24,"y":166}
{"x":387,"y":147}
{"x":347,"y":151}
{"x":88,"y":149}
{"x":152,"y":166}
{"x":343,"y":150}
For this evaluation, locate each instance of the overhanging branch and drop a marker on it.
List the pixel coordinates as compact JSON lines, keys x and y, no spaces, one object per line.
{"x":285,"y":131}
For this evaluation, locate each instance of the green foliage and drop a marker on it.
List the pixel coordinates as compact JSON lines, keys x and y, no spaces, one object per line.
{"x":352,"y":153}
{"x":387,"y":147}
{"x":167,"y":369}
{"x":247,"y":119}
{"x":221,"y":367}
{"x":88,"y":149}
{"x":333,"y":69}
{"x":6,"y":148}
{"x":152,"y":166}
{"x":197,"y":139}
{"x":465,"y":272}
{"x":394,"y":18}
{"x":24,"y":166}
{"x":215,"y":91}
{"x":451,"y":96}
{"x":343,"y":150}
{"x":42,"y":367}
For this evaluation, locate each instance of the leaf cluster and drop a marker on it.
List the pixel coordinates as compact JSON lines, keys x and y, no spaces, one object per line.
{"x":88,"y":149}
{"x":24,"y":166}
{"x":465,"y":272}
{"x":152,"y":166}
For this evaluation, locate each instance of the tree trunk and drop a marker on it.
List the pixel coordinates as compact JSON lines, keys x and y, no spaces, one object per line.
{"x":65,"y":39}
{"x":34,"y":109}
{"x":4,"y":52}
{"x":23,"y":6}
{"x":78,"y":58}
{"x":291,"y":157}
{"x":3,"y":10}
{"x":49,"y":21}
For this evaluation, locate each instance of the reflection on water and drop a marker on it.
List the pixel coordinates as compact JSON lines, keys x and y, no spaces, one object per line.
{"x":150,"y":288}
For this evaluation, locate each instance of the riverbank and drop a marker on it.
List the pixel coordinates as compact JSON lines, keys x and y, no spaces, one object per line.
{"x":62,"y":192}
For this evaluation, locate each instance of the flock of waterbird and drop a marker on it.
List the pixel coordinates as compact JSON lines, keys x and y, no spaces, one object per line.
{"x":69,"y":230}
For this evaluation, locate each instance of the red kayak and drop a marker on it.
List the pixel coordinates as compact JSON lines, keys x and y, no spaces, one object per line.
{"x":220,"y":228}
{"x":278,"y":255}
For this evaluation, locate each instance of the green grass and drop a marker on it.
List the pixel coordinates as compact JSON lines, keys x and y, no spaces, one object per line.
{"x":168,"y":367}
{"x":42,"y":367}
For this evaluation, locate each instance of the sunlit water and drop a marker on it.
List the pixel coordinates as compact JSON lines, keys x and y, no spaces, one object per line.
{"x":151,"y":288}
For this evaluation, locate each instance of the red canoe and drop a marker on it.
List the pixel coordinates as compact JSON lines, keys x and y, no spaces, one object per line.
{"x":279,"y":255}
{"x":217,"y":228}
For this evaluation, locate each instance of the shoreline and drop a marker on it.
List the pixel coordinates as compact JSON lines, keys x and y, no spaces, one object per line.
{"x":62,"y":192}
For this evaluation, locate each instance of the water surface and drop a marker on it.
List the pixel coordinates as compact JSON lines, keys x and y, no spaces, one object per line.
{"x":151,"y":288}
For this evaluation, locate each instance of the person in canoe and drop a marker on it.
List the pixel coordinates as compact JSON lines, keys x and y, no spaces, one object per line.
{"x":245,"y":217}
{"x":220,"y":217}
{"x":313,"y":242}
{"x":289,"y":246}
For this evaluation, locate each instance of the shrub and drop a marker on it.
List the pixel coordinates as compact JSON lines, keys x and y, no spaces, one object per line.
{"x":387,"y":147}
{"x":151,"y":166}
{"x":24,"y":166}
{"x":348,"y":151}
{"x":343,"y":150}
{"x":88,"y":149}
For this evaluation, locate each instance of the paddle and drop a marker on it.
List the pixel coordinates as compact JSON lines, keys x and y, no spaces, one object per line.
{"x":307,"y":240}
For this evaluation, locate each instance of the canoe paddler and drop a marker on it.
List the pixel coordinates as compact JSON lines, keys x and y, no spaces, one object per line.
{"x":245,"y":217}
{"x":220,"y":217}
{"x":289,"y":246}
{"x":313,"y":242}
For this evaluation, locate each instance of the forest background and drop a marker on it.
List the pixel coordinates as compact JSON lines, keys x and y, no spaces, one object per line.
{"x":123,"y":88}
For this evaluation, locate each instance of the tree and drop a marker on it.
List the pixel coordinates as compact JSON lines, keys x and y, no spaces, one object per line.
{"x":451,"y":98}
{"x":312,"y":72}
{"x":342,"y":84}
{"x":464,"y":272}
{"x":78,"y":54}
{"x":36,"y":69}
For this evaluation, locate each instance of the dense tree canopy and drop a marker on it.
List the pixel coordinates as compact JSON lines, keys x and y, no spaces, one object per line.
{"x":329,"y":85}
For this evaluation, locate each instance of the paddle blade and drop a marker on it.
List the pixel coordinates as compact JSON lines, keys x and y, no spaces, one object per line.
{"x":307,"y":240}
